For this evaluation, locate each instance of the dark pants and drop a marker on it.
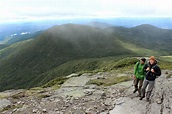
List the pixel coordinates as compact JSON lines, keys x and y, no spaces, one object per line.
{"x":136,"y":83}
{"x":150,"y":88}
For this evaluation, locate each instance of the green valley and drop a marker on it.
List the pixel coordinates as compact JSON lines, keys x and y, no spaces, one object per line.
{"x":70,"y":48}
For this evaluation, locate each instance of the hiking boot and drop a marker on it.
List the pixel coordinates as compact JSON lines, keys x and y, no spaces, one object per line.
{"x":138,"y":95}
{"x":135,"y":90}
{"x":142,"y":97}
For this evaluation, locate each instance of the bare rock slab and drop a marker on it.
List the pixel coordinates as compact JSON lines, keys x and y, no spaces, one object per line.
{"x":4,"y":103}
{"x":76,"y":82}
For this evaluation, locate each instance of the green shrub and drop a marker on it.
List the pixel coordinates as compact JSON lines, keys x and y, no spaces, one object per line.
{"x":19,"y":95}
{"x":125,"y":62}
{"x":57,"y":81}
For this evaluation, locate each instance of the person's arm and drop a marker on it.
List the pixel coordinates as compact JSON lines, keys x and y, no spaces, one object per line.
{"x":157,"y":71}
{"x":145,"y":67}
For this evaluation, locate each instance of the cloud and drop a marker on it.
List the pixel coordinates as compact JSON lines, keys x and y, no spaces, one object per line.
{"x":23,"y":33}
{"x":42,"y":9}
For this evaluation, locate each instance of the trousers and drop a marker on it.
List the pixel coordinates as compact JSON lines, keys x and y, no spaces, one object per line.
{"x":136,"y":83}
{"x":150,"y":85}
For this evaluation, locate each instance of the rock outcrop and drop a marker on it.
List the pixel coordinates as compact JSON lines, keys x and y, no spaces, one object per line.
{"x":78,"y":97}
{"x":160,"y":103}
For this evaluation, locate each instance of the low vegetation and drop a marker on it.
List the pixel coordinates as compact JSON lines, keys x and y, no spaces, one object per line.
{"x":125,"y":62}
{"x":110,"y":64}
{"x":18,"y":95}
{"x":11,"y":108}
{"x":165,"y":62}
{"x":110,"y":80}
{"x":57,"y":82}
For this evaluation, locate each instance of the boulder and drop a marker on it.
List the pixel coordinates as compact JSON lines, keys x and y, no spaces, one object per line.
{"x":4,"y":103}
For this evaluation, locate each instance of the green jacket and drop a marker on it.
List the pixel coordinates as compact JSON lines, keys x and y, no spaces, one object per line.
{"x":138,"y":70}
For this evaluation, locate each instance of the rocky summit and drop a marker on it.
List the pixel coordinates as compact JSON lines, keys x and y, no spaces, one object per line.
{"x":78,"y":96}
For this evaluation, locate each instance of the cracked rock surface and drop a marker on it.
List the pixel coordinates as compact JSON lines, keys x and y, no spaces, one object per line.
{"x":160,"y":103}
{"x":76,"y":97}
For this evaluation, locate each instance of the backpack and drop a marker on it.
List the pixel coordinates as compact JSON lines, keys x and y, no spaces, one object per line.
{"x":137,"y":65}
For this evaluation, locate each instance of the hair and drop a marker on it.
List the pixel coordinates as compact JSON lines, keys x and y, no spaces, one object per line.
{"x":152,"y":58}
{"x":143,"y":59}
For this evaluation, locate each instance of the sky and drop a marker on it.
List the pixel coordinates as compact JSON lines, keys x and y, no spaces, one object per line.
{"x":28,"y":10}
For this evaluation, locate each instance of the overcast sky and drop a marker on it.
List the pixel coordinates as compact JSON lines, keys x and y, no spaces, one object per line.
{"x":16,"y":10}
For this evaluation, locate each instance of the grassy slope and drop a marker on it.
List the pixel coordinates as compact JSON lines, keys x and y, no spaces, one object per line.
{"x":147,"y":37}
{"x":54,"y":52}
{"x":13,"y":49}
{"x":138,"y":50}
{"x":110,"y":64}
{"x":24,"y":67}
{"x":80,"y":66}
{"x":165,"y":62}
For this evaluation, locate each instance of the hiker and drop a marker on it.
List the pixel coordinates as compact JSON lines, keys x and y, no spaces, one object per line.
{"x":152,"y":72}
{"x":139,"y":75}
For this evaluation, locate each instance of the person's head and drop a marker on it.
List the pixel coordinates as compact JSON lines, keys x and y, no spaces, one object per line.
{"x":142,"y":60}
{"x":152,"y":60}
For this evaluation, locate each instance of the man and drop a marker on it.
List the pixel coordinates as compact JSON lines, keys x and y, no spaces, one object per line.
{"x":139,"y":75}
{"x":152,"y":72}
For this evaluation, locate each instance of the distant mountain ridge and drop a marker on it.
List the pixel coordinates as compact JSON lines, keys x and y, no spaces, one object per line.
{"x":100,"y":25}
{"x":146,"y":36}
{"x":8,"y":29}
{"x":24,"y":64}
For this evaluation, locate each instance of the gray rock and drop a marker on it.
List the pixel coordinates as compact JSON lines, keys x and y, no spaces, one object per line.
{"x":53,"y":112}
{"x":108,"y":102}
{"x":76,"y":82}
{"x":99,"y":94}
{"x":44,"y":110}
{"x":56,"y":109}
{"x":103,"y":113}
{"x":88,"y":112}
{"x":23,"y":108}
{"x":14,"y":110}
{"x":35,"y":110}
{"x":89,"y":91}
{"x":160,"y":102}
{"x":4,"y":103}
{"x":92,"y":86}
{"x":58,"y":112}
{"x":119,"y":75}
{"x":129,"y":106}
{"x":166,"y":72}
{"x":75,"y":92}
{"x":19,"y":102}
{"x":101,"y":77}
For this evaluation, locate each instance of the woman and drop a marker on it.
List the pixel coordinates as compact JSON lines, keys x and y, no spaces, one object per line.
{"x":152,"y":72}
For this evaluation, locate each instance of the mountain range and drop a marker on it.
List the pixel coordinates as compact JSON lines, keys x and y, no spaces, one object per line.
{"x":37,"y":58}
{"x":18,"y":29}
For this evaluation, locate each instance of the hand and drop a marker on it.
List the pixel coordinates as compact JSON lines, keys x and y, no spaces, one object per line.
{"x":134,"y":77}
{"x":152,"y":70}
{"x":148,"y":69}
